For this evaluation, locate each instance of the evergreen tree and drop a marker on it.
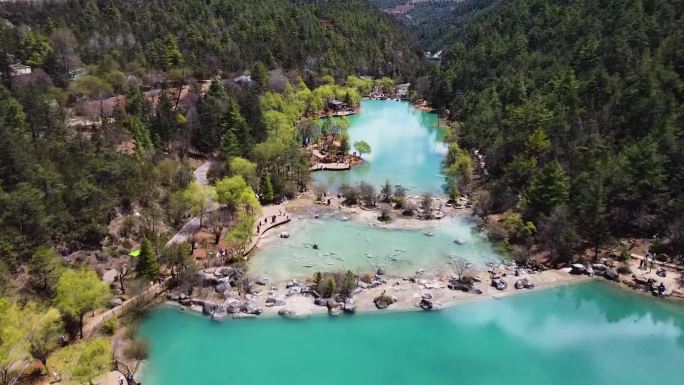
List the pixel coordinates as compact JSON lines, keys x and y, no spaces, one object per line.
{"x":147,"y":265}
{"x":266,"y":189}
{"x":230,"y":146}
{"x":548,"y":190}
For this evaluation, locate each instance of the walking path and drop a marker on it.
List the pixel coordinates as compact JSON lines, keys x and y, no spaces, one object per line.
{"x":330,"y":166}
{"x":194,"y":223}
{"x":273,"y":216}
{"x":94,"y":323}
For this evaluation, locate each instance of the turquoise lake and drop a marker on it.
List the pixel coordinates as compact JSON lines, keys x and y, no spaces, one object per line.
{"x":349,"y":245}
{"x":407,"y":148}
{"x":585,"y":334}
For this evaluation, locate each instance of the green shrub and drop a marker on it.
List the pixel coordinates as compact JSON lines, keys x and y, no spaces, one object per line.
{"x":110,"y":326}
{"x":624,"y":256}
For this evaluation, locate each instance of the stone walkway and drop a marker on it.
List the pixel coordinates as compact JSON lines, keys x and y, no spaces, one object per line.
{"x":93,"y":324}
{"x":330,"y":167}
{"x":269,"y":213}
{"x":194,"y":223}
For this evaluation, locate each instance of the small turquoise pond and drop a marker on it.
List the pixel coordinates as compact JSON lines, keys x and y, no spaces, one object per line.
{"x":589,"y":334}
{"x":349,"y":245}
{"x":407,"y":148}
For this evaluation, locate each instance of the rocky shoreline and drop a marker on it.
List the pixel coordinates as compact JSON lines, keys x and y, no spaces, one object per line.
{"x":422,"y":291}
{"x":226,"y":292}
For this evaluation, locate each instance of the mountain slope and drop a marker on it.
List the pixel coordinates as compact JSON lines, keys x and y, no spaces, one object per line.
{"x":209,"y":36}
{"x":592,"y":86}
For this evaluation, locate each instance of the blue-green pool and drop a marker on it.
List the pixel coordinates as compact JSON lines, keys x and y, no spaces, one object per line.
{"x":407,"y":148}
{"x":358,"y":247}
{"x":585,"y":334}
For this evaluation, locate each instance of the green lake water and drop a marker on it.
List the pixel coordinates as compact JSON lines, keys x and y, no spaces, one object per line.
{"x":354,"y":246}
{"x":584,"y":334}
{"x":406,"y":145}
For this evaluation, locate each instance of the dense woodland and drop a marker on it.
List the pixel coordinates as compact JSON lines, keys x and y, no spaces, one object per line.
{"x":77,"y":198}
{"x":208,"y":37}
{"x":577,"y":109}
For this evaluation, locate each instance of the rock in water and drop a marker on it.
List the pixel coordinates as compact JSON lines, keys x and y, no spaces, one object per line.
{"x":380,"y":271}
{"x":208,"y":308}
{"x":335,"y":311}
{"x":284,"y":234}
{"x":219,"y":313}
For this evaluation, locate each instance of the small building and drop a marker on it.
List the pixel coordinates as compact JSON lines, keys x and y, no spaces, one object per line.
{"x":19,"y":70}
{"x":337,"y":105}
{"x":243,"y":80}
{"x":435,"y":58}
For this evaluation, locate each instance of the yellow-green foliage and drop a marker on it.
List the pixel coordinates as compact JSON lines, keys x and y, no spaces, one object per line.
{"x":82,"y":361}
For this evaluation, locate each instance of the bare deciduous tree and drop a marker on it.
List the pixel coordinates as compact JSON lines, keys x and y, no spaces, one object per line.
{"x":64,"y":44}
{"x":461,"y":268}
{"x":216,"y":223}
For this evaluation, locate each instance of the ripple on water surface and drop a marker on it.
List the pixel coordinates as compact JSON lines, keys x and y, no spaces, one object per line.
{"x":344,"y":245}
{"x":589,"y":334}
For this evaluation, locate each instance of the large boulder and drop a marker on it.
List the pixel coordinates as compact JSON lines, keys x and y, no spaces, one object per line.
{"x":524,"y":283}
{"x":275,"y":301}
{"x":499,"y":283}
{"x":116,"y":301}
{"x":222,"y":287}
{"x":320,"y":301}
{"x":208,"y":308}
{"x":380,"y":271}
{"x":383,"y":301}
{"x":251,"y":308}
{"x":349,"y":305}
{"x":294,"y":290}
{"x":611,"y":275}
{"x":578,"y":269}
{"x":219,"y":313}
{"x":426,"y":303}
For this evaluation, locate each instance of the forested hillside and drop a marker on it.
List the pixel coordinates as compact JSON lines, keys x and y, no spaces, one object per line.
{"x":206,"y":37}
{"x":431,"y":21}
{"x":65,"y":173}
{"x":577,"y":108}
